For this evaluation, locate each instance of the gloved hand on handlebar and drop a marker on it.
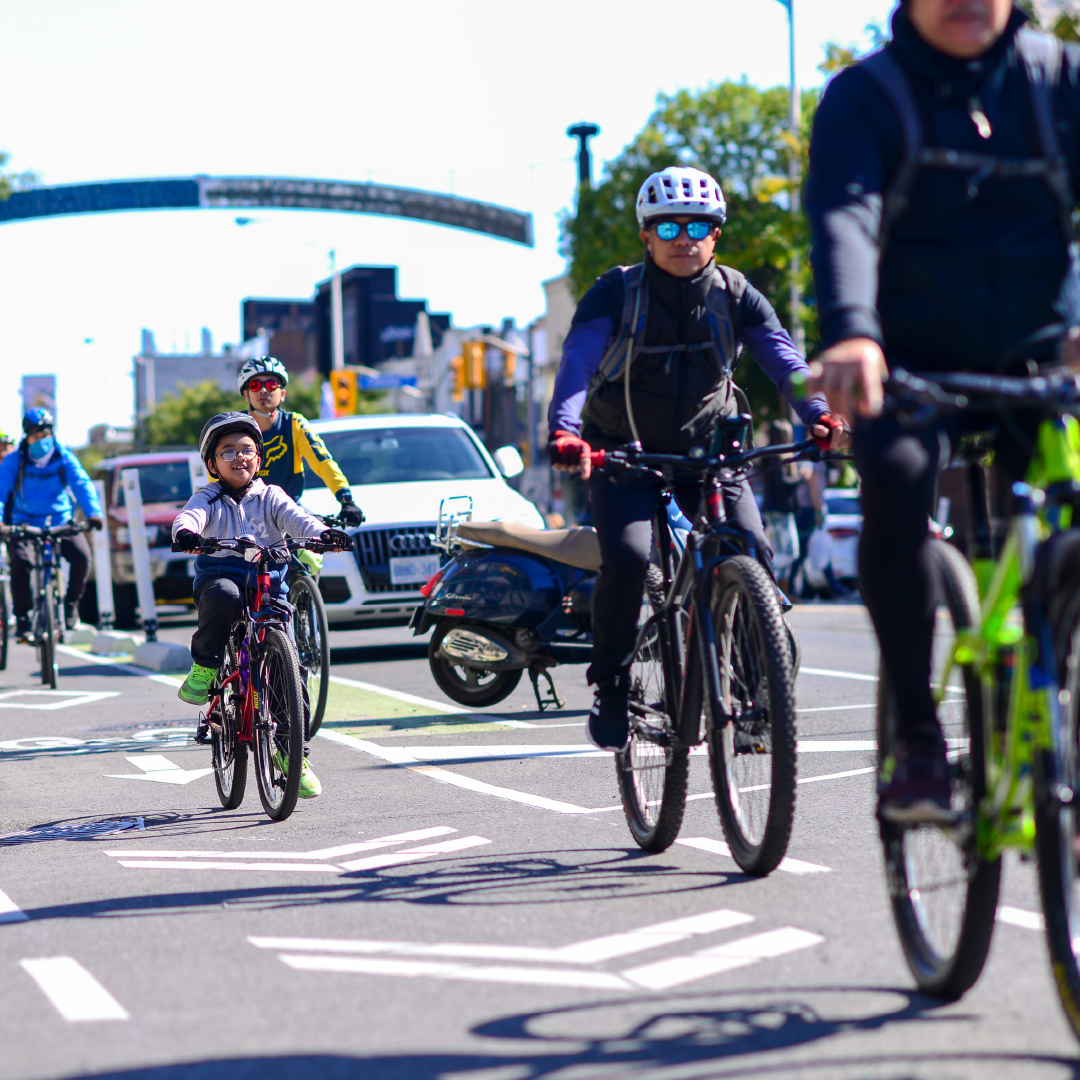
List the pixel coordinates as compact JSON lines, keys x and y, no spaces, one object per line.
{"x":351,"y":514}
{"x":570,"y":453}
{"x":336,"y":538}
{"x":94,"y":524}
{"x":828,"y":432}
{"x":186,"y":540}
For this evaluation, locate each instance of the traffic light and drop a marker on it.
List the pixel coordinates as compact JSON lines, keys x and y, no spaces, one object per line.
{"x":457,"y":378}
{"x":343,"y":384}
{"x":509,"y":367}
{"x":474,"y":355}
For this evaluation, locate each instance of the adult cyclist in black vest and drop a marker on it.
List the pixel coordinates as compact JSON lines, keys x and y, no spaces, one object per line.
{"x":940,"y":202}
{"x":692,"y":318}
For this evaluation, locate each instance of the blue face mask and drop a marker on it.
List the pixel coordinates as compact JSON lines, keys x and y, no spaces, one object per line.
{"x":42,"y":448}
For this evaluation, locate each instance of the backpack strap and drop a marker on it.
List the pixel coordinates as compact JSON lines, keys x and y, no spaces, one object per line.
{"x":883,"y":68}
{"x":727,"y":290}
{"x":1042,"y":54}
{"x":635,"y":314}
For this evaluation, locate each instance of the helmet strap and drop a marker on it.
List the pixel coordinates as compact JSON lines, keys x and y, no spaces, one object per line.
{"x":257,"y":412}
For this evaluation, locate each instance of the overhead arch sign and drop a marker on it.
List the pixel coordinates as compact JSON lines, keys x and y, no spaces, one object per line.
{"x":210,"y":192}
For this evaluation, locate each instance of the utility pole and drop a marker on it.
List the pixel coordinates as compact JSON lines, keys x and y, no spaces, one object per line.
{"x":337,"y":316}
{"x":794,"y":179}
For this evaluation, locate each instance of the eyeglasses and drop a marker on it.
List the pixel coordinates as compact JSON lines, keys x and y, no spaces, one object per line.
{"x":696,"y":230}
{"x":268,"y":384}
{"x":232,"y":455}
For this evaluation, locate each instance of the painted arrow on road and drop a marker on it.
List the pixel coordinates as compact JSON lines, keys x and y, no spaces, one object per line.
{"x":160,"y":770}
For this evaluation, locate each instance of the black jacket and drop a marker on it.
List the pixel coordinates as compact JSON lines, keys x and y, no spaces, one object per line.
{"x":963,"y":280}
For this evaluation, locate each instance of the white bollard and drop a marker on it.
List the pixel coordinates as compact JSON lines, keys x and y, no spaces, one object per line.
{"x":103,"y":565}
{"x":199,"y":476}
{"x":140,"y":551}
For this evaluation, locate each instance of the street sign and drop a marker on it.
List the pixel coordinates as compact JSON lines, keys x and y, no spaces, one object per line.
{"x":386,"y":382}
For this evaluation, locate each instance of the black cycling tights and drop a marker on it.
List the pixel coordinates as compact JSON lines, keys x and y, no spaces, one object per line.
{"x":897,"y":575}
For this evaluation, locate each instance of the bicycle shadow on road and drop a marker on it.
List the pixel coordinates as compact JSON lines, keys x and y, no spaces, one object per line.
{"x":370,"y":654}
{"x":681,"y":1036}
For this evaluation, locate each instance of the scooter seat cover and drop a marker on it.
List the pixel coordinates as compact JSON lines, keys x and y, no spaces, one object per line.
{"x":575,"y":547}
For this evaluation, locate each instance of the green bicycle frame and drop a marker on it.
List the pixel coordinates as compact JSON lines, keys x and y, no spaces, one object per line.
{"x":1000,"y":644}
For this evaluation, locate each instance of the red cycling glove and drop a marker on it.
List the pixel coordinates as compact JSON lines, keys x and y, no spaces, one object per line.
{"x":566,"y":448}
{"x":832,"y":423}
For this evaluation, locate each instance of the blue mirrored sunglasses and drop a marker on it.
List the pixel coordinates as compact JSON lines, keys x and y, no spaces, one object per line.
{"x":696,"y":230}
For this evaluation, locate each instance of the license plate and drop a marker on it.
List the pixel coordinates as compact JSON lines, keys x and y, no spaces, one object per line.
{"x":413,"y":569}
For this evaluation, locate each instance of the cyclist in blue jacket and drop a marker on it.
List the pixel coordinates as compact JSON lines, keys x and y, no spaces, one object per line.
{"x":37,"y":485}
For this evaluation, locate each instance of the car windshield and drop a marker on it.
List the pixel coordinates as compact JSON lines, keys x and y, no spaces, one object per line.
{"x":844,"y":504}
{"x":402,"y":455}
{"x":164,"y":481}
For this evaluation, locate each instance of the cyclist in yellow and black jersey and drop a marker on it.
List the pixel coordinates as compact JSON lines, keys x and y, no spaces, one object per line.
{"x":288,"y":440}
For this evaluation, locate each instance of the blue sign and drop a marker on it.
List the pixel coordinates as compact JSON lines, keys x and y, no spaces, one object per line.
{"x":386,"y":382}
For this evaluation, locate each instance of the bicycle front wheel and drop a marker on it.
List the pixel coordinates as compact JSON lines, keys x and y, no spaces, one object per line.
{"x":279,"y":731}
{"x":5,"y":624}
{"x":943,"y":895}
{"x":752,"y":735}
{"x":652,"y":774}
{"x":1058,"y":819}
{"x":312,"y":643}
{"x":47,"y":641}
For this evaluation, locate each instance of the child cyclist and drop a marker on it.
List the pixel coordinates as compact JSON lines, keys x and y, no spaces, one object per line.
{"x":236,"y":504}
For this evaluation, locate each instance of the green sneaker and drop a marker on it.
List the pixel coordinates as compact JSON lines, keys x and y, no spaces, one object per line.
{"x":197,"y":684}
{"x":310,"y":788}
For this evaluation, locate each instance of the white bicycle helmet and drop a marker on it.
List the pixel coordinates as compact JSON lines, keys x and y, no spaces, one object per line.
{"x":681,"y":191}
{"x":260,"y":365}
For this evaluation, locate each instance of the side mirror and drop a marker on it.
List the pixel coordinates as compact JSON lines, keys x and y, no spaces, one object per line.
{"x":509,"y":461}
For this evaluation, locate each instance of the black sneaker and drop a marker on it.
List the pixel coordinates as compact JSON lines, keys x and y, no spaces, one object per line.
{"x":23,"y":630}
{"x":609,"y":722}
{"x":913,"y":785}
{"x":71,"y":615}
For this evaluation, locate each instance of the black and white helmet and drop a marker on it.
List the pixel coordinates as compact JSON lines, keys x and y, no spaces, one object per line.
{"x":228,"y":423}
{"x":260,"y":365}
{"x":675,"y":191}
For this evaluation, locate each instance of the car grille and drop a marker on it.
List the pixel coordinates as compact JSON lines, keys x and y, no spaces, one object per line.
{"x":375,"y":547}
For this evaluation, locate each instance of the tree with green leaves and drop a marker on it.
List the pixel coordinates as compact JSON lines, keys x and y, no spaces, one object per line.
{"x":12,"y":182}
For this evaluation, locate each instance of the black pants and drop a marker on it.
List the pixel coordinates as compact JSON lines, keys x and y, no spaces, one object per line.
{"x":220,"y":603}
{"x":22,"y":554}
{"x":897,"y":573}
{"x":623,"y":515}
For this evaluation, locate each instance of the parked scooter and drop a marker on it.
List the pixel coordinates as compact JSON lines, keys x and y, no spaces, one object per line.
{"x":510,"y":599}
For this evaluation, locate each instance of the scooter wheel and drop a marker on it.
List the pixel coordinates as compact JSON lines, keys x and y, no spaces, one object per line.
{"x":467,"y":685}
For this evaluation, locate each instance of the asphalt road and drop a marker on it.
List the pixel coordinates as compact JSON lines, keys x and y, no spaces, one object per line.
{"x":435,"y":914}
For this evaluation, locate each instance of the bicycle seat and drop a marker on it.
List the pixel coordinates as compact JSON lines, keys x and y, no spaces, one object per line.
{"x":576,"y":547}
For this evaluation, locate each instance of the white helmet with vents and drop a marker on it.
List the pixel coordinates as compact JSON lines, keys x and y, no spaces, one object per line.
{"x":677,"y":190}
{"x":261,"y":365}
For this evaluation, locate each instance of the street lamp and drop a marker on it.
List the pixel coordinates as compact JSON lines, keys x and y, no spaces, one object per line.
{"x":794,"y":123}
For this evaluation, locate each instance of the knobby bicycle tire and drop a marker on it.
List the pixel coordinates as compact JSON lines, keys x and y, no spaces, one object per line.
{"x":279,"y":731}
{"x":752,"y":739}
{"x":943,"y":894}
{"x":5,"y":625}
{"x":312,"y":644}
{"x":229,"y":755}
{"x":1057,"y":819}
{"x":653,"y":778}
{"x":47,"y":641}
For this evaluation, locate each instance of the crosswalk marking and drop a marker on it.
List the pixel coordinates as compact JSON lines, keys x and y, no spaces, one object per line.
{"x":718,"y":847}
{"x":75,"y":994}
{"x":1026,"y":920}
{"x":9,"y":910}
{"x":374,"y":862}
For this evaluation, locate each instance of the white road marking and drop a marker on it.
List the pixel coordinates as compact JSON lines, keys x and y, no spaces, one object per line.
{"x":663,"y":974}
{"x":591,"y":951}
{"x":54,"y":699}
{"x":437,"y":706}
{"x":430,"y":755}
{"x":76,"y":995}
{"x":834,"y":746}
{"x":193,"y":864}
{"x":393,"y":858}
{"x":153,"y":676}
{"x":1026,"y":920}
{"x":829,"y":673}
{"x":718,"y":847}
{"x":159,"y":769}
{"x":431,"y":969}
{"x":10,"y":912}
{"x":836,"y":775}
{"x":837,"y":708}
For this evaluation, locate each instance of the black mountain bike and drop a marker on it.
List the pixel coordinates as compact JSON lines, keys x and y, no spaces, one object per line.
{"x":47,"y":614}
{"x":712,"y":646}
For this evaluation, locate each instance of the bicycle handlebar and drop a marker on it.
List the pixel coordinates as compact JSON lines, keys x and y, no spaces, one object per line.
{"x":211,"y":544}
{"x":632,"y":459}
{"x":45,"y":532}
{"x":953,"y":391}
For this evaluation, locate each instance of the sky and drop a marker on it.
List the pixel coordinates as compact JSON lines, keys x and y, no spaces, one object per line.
{"x":472,"y":98}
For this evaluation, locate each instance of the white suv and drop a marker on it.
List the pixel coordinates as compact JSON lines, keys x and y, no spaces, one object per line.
{"x":400,"y":467}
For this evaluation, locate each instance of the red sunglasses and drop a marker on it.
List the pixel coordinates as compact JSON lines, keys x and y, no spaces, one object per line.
{"x":269,"y":384}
